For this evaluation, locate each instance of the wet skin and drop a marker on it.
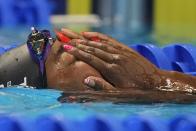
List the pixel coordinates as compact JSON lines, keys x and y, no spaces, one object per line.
{"x":66,"y":73}
{"x":107,"y":70}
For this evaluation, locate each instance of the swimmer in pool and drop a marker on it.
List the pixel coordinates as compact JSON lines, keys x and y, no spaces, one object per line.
{"x":94,"y":67}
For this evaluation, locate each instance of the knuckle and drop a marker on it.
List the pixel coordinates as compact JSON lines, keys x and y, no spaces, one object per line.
{"x":117,"y":58}
{"x":89,"y":57}
{"x":91,"y":49}
{"x":80,"y":46}
{"x":111,"y":66}
{"x":103,"y":46}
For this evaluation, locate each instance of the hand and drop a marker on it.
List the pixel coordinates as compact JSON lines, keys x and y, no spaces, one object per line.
{"x":131,"y":94}
{"x":117,"y":63}
{"x":66,"y":73}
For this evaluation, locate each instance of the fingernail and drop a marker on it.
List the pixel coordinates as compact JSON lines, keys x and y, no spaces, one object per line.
{"x":61,"y":36}
{"x":89,"y":82}
{"x":95,"y":38}
{"x":67,"y":47}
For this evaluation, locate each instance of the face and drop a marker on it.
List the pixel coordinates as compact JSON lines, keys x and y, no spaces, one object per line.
{"x":66,"y":73}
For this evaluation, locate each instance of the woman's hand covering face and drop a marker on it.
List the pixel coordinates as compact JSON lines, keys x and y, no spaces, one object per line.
{"x":117,"y":63}
{"x":66,"y":73}
{"x":112,"y":70}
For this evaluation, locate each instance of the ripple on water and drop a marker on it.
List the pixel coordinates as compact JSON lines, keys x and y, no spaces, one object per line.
{"x":34,"y":102}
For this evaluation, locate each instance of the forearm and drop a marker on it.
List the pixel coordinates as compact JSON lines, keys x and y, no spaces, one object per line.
{"x":176,"y":81}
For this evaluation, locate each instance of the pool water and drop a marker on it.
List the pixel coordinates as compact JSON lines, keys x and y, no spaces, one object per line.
{"x":18,"y":35}
{"x":17,"y":101}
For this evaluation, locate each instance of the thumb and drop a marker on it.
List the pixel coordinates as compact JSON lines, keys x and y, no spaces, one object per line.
{"x":98,"y":83}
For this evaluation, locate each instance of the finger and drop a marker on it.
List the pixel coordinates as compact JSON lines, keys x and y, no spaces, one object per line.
{"x":98,"y":45}
{"x":71,"y":34}
{"x":98,"y":84}
{"x":108,"y":40}
{"x":61,"y":37}
{"x":103,"y":55}
{"x":103,"y":46}
{"x":86,"y":57}
{"x":97,"y":35}
{"x":103,"y":38}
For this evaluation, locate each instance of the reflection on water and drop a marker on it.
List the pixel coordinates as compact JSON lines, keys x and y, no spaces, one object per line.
{"x":32,"y":102}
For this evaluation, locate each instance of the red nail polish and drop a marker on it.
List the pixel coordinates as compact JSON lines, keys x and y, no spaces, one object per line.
{"x":95,"y":38}
{"x":61,"y":36}
{"x":67,"y":47}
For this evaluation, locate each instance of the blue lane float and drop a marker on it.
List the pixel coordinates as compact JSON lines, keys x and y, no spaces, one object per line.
{"x":182,"y":57}
{"x":176,"y":57}
{"x":154,"y":54}
{"x":97,"y":123}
